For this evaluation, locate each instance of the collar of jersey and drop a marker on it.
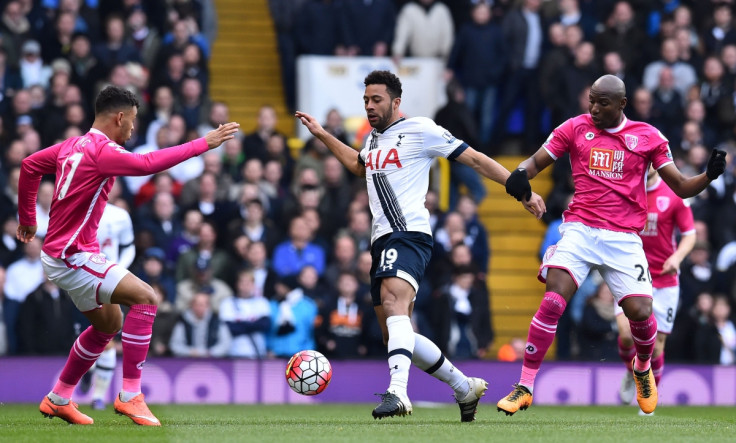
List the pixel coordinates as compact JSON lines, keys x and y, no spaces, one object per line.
{"x":401,"y":119}
{"x":619,"y":127}
{"x":98,"y":132}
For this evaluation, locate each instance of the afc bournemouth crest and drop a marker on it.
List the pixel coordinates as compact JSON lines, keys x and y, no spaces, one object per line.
{"x":631,"y":141}
{"x":663,"y":203}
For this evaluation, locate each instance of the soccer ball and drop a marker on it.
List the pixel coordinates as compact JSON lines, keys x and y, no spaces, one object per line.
{"x":308,"y":372}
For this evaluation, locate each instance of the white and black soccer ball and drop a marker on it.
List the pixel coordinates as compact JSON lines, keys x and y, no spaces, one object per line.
{"x":308,"y":372}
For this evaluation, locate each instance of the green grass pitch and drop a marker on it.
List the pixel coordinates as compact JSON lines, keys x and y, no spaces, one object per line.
{"x":353,"y":423}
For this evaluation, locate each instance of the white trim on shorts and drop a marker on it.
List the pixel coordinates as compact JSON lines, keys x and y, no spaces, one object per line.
{"x":408,"y":278}
{"x":89,"y":279}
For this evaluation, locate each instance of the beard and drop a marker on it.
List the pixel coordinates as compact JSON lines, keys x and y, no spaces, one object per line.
{"x":383,"y":122}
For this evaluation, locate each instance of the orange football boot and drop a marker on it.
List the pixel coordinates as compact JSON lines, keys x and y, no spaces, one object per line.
{"x":136,"y":410}
{"x":68,"y":412}
{"x":646,"y":390}
{"x":519,"y":398}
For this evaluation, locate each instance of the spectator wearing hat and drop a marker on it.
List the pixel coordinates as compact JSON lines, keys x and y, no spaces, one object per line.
{"x":201,"y":280}
{"x":153,"y":271}
{"x":33,"y":71}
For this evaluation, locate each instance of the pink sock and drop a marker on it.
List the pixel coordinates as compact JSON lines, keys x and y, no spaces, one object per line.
{"x":541,"y":334}
{"x":644,"y":334}
{"x":136,"y":338}
{"x":627,"y":354}
{"x":658,"y":367}
{"x":85,"y":350}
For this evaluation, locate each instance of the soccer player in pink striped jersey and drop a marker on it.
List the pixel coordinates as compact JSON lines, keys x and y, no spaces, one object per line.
{"x":666,"y":212}
{"x":85,"y":169}
{"x":610,"y":156}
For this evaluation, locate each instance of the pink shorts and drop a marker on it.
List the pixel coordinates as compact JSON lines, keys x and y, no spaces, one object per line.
{"x":89,"y":279}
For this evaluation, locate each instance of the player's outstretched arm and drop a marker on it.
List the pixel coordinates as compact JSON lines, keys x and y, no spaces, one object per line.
{"x":115,"y":160}
{"x":491,"y":169}
{"x":223,"y":133}
{"x":348,"y":156}
{"x":686,"y":187}
{"x":517,"y":184}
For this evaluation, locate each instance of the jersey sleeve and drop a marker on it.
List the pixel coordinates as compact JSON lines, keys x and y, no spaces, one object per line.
{"x":32,"y":169}
{"x":684,"y":217}
{"x":661,"y":154}
{"x":113,"y":160}
{"x":439,"y":142}
{"x":558,"y":142}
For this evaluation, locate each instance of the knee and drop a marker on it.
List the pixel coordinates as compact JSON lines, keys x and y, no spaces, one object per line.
{"x":640,"y":311}
{"x":147,"y":296}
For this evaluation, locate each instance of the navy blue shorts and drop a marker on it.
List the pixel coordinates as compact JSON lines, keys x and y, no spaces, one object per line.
{"x":399,"y":254}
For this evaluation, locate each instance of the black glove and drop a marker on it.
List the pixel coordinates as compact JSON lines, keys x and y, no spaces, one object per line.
{"x":716,"y":164}
{"x":517,"y":185}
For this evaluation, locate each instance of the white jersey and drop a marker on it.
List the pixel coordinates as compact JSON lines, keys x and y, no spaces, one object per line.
{"x":397,"y":162}
{"x":115,"y":235}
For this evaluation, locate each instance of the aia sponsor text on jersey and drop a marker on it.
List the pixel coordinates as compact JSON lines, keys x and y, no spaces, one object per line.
{"x":379,"y":160}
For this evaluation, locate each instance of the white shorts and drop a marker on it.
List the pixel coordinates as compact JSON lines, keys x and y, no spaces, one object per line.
{"x":618,"y":256}
{"x":664,"y":307}
{"x":88,"y":278}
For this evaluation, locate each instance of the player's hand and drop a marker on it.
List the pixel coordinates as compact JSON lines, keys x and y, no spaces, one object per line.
{"x":310,"y":122}
{"x":716,"y":164}
{"x":671,"y":266}
{"x":26,"y":233}
{"x":517,"y":185}
{"x":223,"y":133}
{"x":535,"y":205}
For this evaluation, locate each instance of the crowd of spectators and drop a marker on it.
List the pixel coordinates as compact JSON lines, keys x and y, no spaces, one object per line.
{"x":255,"y":253}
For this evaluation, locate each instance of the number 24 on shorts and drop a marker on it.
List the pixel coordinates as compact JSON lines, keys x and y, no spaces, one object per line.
{"x":644,"y":273}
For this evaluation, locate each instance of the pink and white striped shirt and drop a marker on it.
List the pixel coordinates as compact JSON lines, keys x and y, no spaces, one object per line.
{"x":85,"y":169}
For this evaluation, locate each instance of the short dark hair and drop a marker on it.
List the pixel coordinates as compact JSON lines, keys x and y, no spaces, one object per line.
{"x":114,"y":98}
{"x":392,"y":82}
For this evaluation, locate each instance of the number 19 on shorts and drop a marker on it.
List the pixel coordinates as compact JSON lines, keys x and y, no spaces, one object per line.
{"x":388,"y":258}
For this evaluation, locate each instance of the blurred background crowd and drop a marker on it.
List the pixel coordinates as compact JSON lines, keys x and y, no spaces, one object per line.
{"x":259,"y":250}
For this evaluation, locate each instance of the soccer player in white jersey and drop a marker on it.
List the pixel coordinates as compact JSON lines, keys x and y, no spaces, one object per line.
{"x":85,"y":168}
{"x":610,"y":156}
{"x":395,"y":162}
{"x":115,"y":236}
{"x":666,"y":212}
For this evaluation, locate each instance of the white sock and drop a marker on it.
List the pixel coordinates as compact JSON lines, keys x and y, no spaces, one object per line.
{"x":127,"y":396}
{"x":400,"y":349}
{"x":57,"y":399}
{"x":103,"y":374}
{"x":428,"y":357}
